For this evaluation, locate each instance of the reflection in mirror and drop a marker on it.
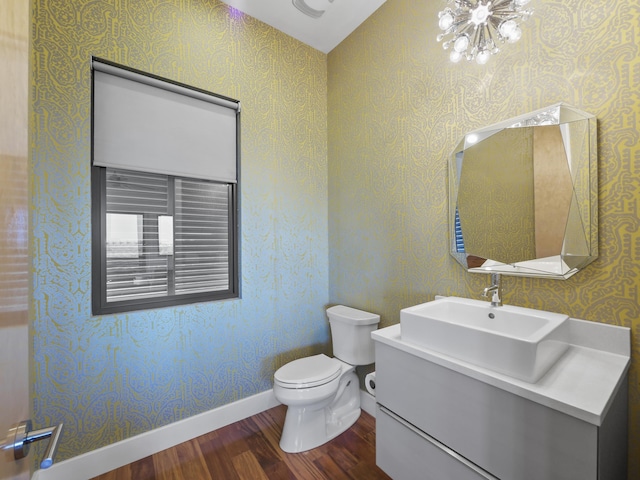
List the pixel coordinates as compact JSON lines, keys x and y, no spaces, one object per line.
{"x":523,"y":195}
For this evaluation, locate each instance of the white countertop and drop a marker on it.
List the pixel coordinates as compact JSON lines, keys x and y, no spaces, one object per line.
{"x":582,"y":383}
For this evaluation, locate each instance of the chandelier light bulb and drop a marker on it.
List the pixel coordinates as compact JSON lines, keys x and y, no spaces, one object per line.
{"x":473,"y":27}
{"x":455,"y":57}
{"x":480,"y":14}
{"x":507,"y":28}
{"x":461,"y":44}
{"x":483,"y":57}
{"x":515,"y":35}
{"x":446,"y":20}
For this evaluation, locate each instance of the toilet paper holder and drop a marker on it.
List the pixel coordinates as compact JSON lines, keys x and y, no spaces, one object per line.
{"x":370,"y":383}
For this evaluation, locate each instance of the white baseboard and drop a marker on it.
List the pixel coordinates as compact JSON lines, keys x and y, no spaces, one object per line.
{"x":368,"y":403}
{"x":105,"y":459}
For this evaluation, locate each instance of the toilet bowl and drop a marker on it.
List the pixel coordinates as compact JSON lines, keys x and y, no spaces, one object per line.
{"x":323,"y":393}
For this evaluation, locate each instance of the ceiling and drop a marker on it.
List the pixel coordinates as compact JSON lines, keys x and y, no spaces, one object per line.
{"x":326,"y":24}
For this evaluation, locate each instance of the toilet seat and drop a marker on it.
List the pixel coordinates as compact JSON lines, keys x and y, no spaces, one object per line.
{"x":308,"y":372}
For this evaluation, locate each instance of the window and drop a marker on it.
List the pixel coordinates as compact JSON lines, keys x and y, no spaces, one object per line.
{"x":165,"y":219}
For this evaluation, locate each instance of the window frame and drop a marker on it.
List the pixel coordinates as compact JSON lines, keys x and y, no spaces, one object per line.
{"x":100,"y":306}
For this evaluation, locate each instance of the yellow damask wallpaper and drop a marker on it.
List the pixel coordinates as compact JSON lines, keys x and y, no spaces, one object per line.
{"x":344,"y":196}
{"x":111,"y":377}
{"x":397,"y":108}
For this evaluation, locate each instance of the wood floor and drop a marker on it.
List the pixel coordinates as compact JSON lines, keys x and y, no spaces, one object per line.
{"x":248,"y":450}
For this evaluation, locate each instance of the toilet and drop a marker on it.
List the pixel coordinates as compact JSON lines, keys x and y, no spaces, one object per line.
{"x":322,"y":394}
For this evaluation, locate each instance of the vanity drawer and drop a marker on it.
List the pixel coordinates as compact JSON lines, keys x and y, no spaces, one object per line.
{"x":406,"y":453}
{"x":507,"y":435}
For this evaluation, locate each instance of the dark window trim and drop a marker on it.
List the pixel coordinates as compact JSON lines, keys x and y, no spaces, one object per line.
{"x":98,"y":254}
{"x":98,"y":233}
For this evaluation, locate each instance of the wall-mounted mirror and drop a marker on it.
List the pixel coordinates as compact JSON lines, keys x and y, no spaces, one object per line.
{"x":523,"y":195}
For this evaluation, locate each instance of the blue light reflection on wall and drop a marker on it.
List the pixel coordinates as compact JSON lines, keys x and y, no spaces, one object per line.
{"x":111,"y":377}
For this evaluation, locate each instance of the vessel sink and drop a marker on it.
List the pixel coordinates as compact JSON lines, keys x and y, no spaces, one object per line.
{"x":520,"y":342}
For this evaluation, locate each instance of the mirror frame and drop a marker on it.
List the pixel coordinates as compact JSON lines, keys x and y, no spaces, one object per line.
{"x":583,"y":206}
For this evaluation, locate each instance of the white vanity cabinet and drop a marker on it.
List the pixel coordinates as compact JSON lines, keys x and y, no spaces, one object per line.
{"x":440,"y":419}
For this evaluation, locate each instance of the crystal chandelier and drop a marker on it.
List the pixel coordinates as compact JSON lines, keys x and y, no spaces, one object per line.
{"x":472,"y":27}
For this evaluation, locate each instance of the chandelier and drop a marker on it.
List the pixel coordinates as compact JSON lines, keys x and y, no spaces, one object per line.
{"x":472,"y":27}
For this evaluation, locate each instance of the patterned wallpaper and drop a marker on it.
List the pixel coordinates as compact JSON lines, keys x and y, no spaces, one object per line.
{"x":108,"y":378}
{"x":397,"y":107}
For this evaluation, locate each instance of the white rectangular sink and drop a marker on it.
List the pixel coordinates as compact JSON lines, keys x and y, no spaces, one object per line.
{"x":520,"y":342}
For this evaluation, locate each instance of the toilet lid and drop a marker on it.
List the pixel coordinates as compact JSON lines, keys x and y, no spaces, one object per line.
{"x":308,"y":372}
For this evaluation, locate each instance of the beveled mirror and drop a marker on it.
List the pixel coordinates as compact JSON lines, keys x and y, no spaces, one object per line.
{"x":523,"y":195}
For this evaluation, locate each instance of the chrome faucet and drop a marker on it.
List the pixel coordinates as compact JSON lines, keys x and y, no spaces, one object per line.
{"x":495,"y":289}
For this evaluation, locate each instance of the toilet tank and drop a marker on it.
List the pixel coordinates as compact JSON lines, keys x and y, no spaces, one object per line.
{"x":351,"y":334}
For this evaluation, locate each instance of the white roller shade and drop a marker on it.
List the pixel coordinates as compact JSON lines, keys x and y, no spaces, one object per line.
{"x":144,"y":124}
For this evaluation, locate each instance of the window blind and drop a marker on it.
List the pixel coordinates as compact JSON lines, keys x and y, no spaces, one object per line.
{"x":202,"y":237}
{"x":146,"y":124}
{"x":458,"y":233}
{"x":14,"y":259}
{"x":134,"y":267}
{"x":143,"y":263}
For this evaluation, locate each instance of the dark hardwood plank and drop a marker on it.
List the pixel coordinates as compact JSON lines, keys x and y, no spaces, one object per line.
{"x":330,"y":468}
{"x":143,"y":469}
{"x":341,"y":456}
{"x":123,"y":473}
{"x":265,"y":452}
{"x":192,"y":462}
{"x":249,"y":450}
{"x":213,"y":450}
{"x":166,"y":465}
{"x":248,"y":467}
{"x":300,"y":464}
{"x":234,"y":437}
